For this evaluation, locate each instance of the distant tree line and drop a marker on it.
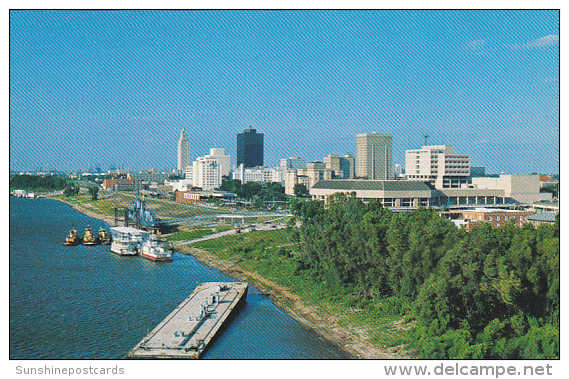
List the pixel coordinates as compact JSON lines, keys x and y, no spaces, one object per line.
{"x":37,"y":182}
{"x":492,"y":293}
{"x":253,"y":190}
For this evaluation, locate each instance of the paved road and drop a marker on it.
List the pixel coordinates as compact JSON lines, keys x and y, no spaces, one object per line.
{"x":232,"y":231}
{"x":210,"y":237}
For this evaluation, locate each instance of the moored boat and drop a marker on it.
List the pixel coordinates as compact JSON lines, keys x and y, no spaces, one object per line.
{"x":104,"y":237}
{"x":156,"y":250}
{"x":72,"y":238}
{"x":89,"y":238}
{"x":126,"y":240}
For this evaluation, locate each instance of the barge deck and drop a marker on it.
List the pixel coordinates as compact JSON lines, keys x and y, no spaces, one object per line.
{"x":190,"y":328}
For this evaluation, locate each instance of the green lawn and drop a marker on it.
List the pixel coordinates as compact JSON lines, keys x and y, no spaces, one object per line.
{"x":107,"y":202}
{"x":105,"y":205}
{"x":184,"y":235}
{"x":222,"y":245}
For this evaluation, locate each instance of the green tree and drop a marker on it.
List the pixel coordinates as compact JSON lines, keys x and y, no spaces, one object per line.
{"x":94,"y":191}
{"x":71,"y":191}
{"x":300,"y":190}
{"x":233,"y":186}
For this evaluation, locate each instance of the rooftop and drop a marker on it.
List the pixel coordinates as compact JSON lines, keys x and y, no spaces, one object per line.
{"x":489,"y":210}
{"x":543,"y":217}
{"x":373,"y":185}
{"x":126,"y":230}
{"x":457,"y":192}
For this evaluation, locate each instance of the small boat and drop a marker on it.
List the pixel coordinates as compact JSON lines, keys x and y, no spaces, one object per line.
{"x":72,"y":238}
{"x":89,"y":238}
{"x":156,"y":250}
{"x":104,"y":237}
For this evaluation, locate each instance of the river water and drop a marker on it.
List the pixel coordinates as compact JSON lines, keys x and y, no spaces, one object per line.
{"x":84,"y":302}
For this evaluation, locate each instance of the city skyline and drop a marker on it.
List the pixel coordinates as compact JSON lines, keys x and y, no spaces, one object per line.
{"x":117,"y":87}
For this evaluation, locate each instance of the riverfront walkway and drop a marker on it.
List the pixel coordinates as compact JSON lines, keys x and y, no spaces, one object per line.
{"x":229,"y":232}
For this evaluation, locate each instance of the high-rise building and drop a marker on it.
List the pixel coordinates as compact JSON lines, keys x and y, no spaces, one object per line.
{"x":314,"y":172}
{"x":332,"y":162}
{"x":348,"y":166}
{"x":341,"y":167}
{"x":250,"y":148}
{"x":440,"y":165}
{"x":183,"y":151}
{"x":292,"y":163}
{"x":206,"y":173}
{"x":223,"y":159}
{"x":373,"y":156}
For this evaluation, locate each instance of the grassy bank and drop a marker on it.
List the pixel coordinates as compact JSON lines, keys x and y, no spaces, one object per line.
{"x":107,"y":202}
{"x":266,"y":259}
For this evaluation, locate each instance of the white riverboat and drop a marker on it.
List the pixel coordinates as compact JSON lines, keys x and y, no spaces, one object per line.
{"x":127,"y":240}
{"x":156,"y":250}
{"x":24,"y":194}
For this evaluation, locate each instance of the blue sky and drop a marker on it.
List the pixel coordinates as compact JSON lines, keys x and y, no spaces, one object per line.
{"x":97,"y":87}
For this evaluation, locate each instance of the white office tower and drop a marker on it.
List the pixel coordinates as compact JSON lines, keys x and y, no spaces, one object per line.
{"x":206,"y":173}
{"x":222,"y":158}
{"x":373,"y":156}
{"x":258,"y":174}
{"x":440,"y":165}
{"x":183,"y":151}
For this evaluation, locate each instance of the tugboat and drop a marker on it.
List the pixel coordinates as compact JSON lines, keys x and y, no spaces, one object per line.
{"x":72,"y":238}
{"x":104,"y":237}
{"x":156,"y":250}
{"x":89,"y":238}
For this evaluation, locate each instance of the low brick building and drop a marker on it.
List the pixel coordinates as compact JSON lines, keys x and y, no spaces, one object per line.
{"x":189,"y":197}
{"x":121,"y":184}
{"x":495,"y":217}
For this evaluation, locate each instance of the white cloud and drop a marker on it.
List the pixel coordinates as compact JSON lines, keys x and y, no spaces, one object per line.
{"x":548,"y":40}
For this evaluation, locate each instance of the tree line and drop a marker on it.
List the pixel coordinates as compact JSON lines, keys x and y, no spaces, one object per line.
{"x":37,"y":182}
{"x":253,"y":190}
{"x":488,"y":294}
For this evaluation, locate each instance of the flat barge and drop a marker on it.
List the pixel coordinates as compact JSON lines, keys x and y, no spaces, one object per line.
{"x":189,"y":329}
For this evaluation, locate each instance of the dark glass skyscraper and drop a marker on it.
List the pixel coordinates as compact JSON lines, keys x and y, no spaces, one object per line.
{"x":250,"y":148}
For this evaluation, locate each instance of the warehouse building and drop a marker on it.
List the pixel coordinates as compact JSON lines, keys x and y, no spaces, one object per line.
{"x":510,"y":190}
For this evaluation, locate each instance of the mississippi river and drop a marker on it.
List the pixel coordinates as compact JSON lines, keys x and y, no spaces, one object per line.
{"x":84,"y":302}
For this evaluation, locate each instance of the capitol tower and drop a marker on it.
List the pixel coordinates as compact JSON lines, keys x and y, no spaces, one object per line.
{"x":183,"y":151}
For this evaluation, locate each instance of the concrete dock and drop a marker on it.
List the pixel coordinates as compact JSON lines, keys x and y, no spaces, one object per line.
{"x":187,"y":331}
